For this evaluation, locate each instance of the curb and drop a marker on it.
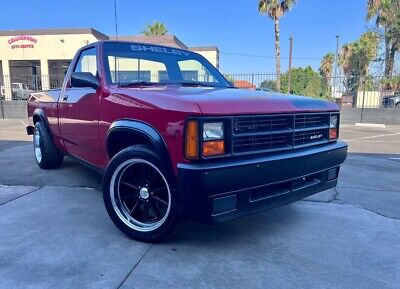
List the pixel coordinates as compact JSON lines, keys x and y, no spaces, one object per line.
{"x":380,"y":125}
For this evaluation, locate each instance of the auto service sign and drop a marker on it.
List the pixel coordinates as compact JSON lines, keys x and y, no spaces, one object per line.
{"x":27,"y":41}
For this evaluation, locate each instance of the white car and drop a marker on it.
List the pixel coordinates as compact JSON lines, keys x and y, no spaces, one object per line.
{"x":20,"y":91}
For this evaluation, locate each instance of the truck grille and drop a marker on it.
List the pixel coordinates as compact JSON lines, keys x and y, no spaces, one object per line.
{"x":253,"y":134}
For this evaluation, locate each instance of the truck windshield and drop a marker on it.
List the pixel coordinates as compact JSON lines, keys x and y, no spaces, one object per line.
{"x":141,"y":64}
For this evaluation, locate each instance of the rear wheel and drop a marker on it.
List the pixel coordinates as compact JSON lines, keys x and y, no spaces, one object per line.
{"x":138,"y":195}
{"x":46,"y":154}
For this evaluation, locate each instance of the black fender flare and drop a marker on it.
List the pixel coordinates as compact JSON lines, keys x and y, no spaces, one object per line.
{"x":38,"y":113}
{"x":141,"y":129}
{"x":41,"y":114}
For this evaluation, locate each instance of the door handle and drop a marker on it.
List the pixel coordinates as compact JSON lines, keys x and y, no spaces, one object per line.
{"x":65,"y":97}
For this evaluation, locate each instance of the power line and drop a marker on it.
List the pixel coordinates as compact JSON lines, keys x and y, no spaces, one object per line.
{"x":268,"y":57}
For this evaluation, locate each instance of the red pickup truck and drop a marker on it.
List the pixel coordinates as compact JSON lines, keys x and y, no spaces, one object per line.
{"x":173,"y":138}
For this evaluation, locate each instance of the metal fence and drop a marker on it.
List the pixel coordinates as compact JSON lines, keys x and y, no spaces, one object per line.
{"x":349,"y":92}
{"x":20,"y":86}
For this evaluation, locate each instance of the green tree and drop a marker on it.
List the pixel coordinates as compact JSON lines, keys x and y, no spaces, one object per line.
{"x":307,"y":82}
{"x":157,"y":28}
{"x":386,"y":14}
{"x":275,"y":9}
{"x":268,"y":84}
{"x":326,"y":67}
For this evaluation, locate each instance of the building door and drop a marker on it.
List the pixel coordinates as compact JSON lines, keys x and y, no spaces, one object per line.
{"x":79,"y":114}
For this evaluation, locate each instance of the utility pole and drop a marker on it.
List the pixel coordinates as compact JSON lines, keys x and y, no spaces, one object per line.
{"x":116,"y":36}
{"x":290,"y":63}
{"x":336,"y":65}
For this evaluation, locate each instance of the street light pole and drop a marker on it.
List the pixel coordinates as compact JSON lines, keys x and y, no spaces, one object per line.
{"x":290,"y":63}
{"x":336,"y":65}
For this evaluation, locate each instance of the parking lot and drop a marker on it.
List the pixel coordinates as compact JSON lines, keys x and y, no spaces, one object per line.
{"x":55,"y":232}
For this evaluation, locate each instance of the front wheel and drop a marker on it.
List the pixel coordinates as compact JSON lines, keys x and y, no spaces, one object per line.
{"x":138,"y":195}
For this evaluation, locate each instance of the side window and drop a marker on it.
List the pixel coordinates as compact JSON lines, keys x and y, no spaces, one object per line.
{"x":87,"y":62}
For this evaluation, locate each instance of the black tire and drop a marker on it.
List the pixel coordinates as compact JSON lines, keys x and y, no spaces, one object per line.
{"x":139,"y":194}
{"x":50,"y":156}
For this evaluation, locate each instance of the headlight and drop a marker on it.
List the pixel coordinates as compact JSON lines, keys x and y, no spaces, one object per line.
{"x":334,"y":127}
{"x":334,"y":121}
{"x":213,"y":131}
{"x":213,"y":139}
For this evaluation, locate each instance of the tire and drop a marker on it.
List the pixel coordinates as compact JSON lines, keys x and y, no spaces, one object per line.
{"x":46,"y":154}
{"x":139,"y":195}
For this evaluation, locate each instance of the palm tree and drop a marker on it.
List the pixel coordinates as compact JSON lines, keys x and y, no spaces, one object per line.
{"x":356,"y":57}
{"x":387,"y":17}
{"x":275,"y":9}
{"x":326,"y":67}
{"x":157,"y":28}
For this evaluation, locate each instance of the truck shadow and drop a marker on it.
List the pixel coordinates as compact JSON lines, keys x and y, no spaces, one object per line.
{"x":248,"y":229}
{"x":19,"y":167}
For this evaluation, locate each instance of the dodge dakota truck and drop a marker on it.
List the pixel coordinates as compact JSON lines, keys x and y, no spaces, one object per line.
{"x":174,"y":139}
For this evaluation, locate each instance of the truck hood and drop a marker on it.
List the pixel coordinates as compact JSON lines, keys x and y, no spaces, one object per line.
{"x":228,"y":101}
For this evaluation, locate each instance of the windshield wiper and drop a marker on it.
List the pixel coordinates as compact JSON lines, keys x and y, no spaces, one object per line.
{"x":139,"y":83}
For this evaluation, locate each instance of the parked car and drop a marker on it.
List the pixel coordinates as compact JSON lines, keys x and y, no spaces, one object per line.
{"x":391,"y":101}
{"x":20,"y":91}
{"x":173,"y":138}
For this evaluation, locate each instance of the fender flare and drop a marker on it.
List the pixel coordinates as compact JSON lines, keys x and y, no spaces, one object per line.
{"x":41,"y":114}
{"x":142,"y":129}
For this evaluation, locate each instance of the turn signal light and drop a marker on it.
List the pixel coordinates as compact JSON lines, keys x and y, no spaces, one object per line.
{"x":213,"y":148}
{"x":192,"y":140}
{"x":333,"y":133}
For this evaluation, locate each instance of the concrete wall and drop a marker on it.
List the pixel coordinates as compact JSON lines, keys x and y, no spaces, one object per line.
{"x":370,"y":115}
{"x":13,"y":109}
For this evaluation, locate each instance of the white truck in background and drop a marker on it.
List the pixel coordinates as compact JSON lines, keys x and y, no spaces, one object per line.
{"x":20,"y":91}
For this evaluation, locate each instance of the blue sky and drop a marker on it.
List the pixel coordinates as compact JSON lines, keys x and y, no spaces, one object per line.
{"x":235,"y":27}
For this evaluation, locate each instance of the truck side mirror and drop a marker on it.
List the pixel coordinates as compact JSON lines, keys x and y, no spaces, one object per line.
{"x":84,"y":79}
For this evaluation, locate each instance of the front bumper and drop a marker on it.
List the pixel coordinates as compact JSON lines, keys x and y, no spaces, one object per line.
{"x":227,"y":189}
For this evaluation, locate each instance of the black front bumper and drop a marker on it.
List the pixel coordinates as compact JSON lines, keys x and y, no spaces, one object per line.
{"x":228,"y":189}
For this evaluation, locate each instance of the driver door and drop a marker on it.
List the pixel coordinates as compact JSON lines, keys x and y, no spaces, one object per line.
{"x":79,"y":114}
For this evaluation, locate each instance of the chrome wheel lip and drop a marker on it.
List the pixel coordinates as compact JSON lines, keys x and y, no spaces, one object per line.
{"x":36,"y":146}
{"x":119,"y":208}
